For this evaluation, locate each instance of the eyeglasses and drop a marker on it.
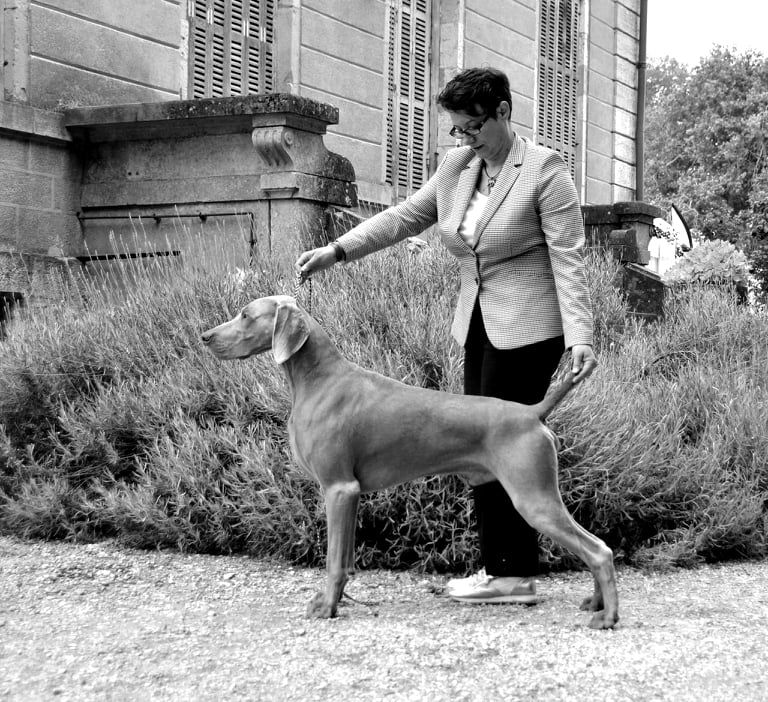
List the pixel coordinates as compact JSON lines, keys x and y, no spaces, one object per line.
{"x":458,"y":133}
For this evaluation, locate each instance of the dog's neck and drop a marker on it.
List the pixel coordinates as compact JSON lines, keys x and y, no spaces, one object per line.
{"x":317,"y":358}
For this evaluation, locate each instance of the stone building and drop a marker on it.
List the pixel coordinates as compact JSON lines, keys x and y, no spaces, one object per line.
{"x":113,"y":111}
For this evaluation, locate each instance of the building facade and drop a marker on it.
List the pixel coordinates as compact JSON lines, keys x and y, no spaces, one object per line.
{"x":572,"y":64}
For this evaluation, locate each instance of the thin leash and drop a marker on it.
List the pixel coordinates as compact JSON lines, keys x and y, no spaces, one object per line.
{"x":297,"y":292}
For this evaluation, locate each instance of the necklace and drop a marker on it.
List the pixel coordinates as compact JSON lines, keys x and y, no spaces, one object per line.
{"x":491,"y":179}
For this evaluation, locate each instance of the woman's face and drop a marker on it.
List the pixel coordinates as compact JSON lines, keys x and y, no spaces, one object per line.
{"x":493,"y":140}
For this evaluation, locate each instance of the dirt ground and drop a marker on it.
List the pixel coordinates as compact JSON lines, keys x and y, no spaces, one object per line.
{"x":101,"y":622}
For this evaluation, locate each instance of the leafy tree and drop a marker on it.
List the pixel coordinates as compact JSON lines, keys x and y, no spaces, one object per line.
{"x":705,"y":138}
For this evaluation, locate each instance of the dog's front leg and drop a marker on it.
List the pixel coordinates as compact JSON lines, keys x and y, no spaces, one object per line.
{"x":341,"y":501}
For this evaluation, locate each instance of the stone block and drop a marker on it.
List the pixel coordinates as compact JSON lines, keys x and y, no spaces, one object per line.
{"x":626,"y":97}
{"x":27,"y":189}
{"x":55,"y":159}
{"x":627,"y":46}
{"x":602,"y":62}
{"x":8,"y":227}
{"x":147,"y":18}
{"x":66,"y":195}
{"x":102,"y":49}
{"x":602,"y":34}
{"x":599,"y":140}
{"x":515,"y":16}
{"x":493,"y":32}
{"x":47,"y":231}
{"x":628,"y":246}
{"x":14,"y":153}
{"x":358,"y":122}
{"x":600,"y":113}
{"x":334,"y":76}
{"x":600,"y":166}
{"x":601,"y":220}
{"x":624,"y":149}
{"x":626,"y":70}
{"x":624,"y":174}
{"x":350,"y":43}
{"x":369,"y":16}
{"x":604,"y":10}
{"x":627,"y":20}
{"x":622,"y":193}
{"x":625,"y":122}
{"x":54,"y":85}
{"x":644,"y":290}
{"x":601,"y":88}
{"x":598,"y":191}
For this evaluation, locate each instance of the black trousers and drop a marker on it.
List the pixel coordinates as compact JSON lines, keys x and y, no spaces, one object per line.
{"x":508,"y":546}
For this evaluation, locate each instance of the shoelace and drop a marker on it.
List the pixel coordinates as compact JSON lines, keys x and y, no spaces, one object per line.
{"x":479,"y":578}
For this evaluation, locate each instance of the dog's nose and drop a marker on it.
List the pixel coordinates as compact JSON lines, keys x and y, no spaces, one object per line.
{"x":206,"y":337}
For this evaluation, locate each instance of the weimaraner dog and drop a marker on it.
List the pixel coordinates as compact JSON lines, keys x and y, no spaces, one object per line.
{"x":357,"y":431}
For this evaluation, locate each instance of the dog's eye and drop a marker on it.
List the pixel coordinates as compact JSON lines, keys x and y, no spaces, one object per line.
{"x":244,"y":315}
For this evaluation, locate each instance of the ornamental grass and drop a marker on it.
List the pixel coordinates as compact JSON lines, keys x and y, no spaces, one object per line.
{"x":115,"y":422}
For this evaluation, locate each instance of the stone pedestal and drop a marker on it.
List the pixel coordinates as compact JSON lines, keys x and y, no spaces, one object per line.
{"x":624,"y":228}
{"x":255,"y":166}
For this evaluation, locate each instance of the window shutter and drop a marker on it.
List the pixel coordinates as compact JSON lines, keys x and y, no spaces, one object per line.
{"x":231,"y":46}
{"x":407,"y":158}
{"x":557,"y":78}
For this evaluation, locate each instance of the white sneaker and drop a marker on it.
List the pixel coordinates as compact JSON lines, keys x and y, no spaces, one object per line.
{"x":461,"y":583}
{"x":484,"y":588}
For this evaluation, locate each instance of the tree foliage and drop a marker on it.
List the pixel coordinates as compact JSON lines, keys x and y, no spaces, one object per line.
{"x":705,"y":135}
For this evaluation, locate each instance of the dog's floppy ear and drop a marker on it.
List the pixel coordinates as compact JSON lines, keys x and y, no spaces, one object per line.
{"x":290,"y":331}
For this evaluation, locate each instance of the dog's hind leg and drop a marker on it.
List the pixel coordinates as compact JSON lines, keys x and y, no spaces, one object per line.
{"x":341,"y":502}
{"x":535,"y":494}
{"x":560,"y":526}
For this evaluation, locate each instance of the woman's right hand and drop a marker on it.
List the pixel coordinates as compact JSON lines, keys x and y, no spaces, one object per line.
{"x":314,"y":260}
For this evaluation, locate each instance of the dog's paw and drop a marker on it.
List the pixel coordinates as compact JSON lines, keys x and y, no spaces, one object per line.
{"x":319,"y":608}
{"x":603,"y":620}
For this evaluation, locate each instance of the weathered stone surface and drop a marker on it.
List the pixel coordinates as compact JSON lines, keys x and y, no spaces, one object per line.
{"x":601,"y":220}
{"x":260,"y":154}
{"x":37,"y":277}
{"x":178,"y":118}
{"x":645,"y":291}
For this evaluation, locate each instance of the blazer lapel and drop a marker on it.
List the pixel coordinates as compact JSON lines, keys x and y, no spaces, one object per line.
{"x":464,"y":191}
{"x":506,"y":179}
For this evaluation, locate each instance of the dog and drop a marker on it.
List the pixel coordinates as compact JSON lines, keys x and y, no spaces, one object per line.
{"x":356,"y":431}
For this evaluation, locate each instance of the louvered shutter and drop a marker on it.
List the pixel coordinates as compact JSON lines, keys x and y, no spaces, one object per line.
{"x":557,"y":78}
{"x":407,"y":149}
{"x":231,"y":45}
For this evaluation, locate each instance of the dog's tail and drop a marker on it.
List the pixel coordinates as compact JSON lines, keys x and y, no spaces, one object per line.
{"x":553,"y":398}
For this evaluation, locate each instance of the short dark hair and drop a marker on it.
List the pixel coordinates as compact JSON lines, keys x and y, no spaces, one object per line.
{"x":487,"y":87}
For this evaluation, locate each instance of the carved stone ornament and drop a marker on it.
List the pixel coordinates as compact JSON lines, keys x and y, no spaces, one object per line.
{"x":273,"y":145}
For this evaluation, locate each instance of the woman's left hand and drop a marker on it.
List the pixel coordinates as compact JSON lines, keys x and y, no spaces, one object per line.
{"x":584,"y":361}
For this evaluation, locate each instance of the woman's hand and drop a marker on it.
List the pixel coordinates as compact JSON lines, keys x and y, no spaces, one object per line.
{"x":315,"y":260}
{"x":584,"y":361}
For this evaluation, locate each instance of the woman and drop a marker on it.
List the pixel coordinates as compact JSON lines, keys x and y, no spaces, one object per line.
{"x":508,"y":210}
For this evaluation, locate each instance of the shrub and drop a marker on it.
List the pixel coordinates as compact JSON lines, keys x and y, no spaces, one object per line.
{"x":716,"y":262}
{"x":115,"y":422}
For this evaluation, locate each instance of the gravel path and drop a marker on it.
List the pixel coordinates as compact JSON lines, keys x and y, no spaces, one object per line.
{"x":101,"y":622}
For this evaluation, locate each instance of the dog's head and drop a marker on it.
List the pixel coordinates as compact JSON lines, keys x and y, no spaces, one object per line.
{"x":267,"y":323}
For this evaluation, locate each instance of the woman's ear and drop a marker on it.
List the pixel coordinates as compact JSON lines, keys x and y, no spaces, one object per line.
{"x":504,"y":110}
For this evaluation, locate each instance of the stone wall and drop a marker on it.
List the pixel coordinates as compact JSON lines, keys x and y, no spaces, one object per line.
{"x":40,"y":176}
{"x":610,"y":101}
{"x":154,"y":173}
{"x":81,"y":52}
{"x":624,"y":229}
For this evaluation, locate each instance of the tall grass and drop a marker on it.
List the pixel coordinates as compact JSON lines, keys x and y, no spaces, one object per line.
{"x":114,"y":421}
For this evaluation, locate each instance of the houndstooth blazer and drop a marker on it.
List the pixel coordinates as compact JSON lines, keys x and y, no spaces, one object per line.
{"x":526,"y":266}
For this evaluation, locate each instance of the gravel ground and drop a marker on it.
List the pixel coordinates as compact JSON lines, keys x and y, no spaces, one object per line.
{"x":101,"y":622}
